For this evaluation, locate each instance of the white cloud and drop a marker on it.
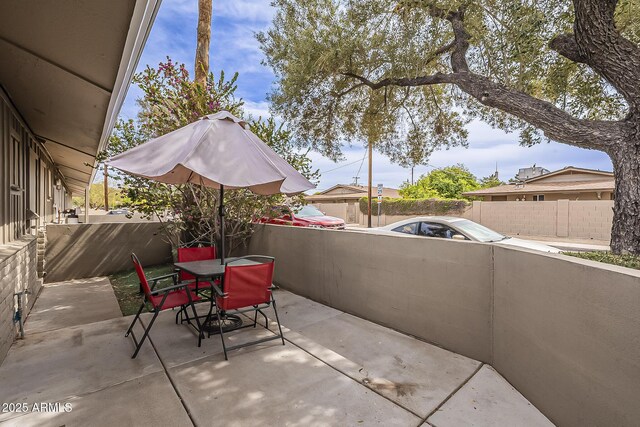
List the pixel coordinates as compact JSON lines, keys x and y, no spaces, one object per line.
{"x":245,"y":10}
{"x":257,"y":109}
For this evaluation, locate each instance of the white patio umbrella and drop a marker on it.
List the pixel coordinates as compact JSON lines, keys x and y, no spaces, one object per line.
{"x":217,"y":151}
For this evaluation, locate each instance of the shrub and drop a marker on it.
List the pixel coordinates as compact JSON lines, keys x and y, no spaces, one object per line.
{"x":416,"y":206}
{"x":630,"y":261}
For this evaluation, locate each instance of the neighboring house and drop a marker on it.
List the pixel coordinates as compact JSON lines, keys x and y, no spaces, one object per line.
{"x":342,"y":193}
{"x":349,"y":195}
{"x":65,"y":67}
{"x":570,"y":183}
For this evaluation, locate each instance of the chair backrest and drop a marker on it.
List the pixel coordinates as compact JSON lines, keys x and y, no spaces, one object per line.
{"x":141,"y":276}
{"x":194,"y":254}
{"x":246,"y":285}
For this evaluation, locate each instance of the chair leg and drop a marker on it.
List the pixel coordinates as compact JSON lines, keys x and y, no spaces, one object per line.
{"x":275,"y":310}
{"x":134,"y":320}
{"x":146,"y":333}
{"x":224,"y":347}
{"x":255,"y":317}
{"x":195,"y":315}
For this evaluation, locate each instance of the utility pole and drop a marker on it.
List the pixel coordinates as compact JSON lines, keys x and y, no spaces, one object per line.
{"x":412,"y":166}
{"x":369,"y":187}
{"x":355,"y":180}
{"x":106,"y":188}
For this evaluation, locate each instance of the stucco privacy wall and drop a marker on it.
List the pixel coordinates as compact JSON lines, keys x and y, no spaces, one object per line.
{"x":580,"y":219}
{"x":567,"y":336}
{"x":564,"y":331}
{"x":75,"y":251}
{"x":18,"y":261}
{"x":389,"y":280}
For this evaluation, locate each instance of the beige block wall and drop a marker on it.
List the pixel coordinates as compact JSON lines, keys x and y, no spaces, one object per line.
{"x":338,"y":210}
{"x":18,"y":271}
{"x":564,"y":331}
{"x":515,"y":218}
{"x":591,"y":219}
{"x":75,"y":251}
{"x":579,"y":219}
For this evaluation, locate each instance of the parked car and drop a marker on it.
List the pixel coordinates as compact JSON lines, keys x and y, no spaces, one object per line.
{"x":303,"y":216}
{"x":118,"y":212}
{"x":447,"y":227}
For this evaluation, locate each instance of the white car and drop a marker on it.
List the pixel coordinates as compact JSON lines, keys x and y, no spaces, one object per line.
{"x":449,"y":227}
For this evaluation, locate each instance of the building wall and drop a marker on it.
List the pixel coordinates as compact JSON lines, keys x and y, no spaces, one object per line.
{"x":550,"y":197}
{"x":27,"y":181}
{"x":17,"y":273}
{"x":564,"y":331}
{"x":578,"y":219}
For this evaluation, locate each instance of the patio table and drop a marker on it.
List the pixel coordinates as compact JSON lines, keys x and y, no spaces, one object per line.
{"x":210,"y":270}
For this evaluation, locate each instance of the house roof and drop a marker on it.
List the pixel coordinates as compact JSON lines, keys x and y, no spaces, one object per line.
{"x":66,"y":69}
{"x":605,"y":182}
{"x":351,"y":192}
{"x":556,"y":187}
{"x":570,"y":169}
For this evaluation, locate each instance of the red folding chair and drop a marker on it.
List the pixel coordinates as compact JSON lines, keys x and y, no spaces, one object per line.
{"x":174,"y":296}
{"x":195,"y":254}
{"x":247,"y":288}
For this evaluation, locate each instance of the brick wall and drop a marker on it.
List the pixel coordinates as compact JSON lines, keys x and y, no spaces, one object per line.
{"x":591,"y":220}
{"x":18,"y":271}
{"x":562,"y":218}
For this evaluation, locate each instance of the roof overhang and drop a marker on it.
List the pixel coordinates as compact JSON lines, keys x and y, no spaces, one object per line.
{"x":66,"y":67}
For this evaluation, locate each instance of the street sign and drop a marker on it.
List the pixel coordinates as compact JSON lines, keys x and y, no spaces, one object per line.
{"x":379,"y":190}
{"x":379,"y":199}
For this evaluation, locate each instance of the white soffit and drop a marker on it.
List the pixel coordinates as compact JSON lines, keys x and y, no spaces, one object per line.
{"x":66,"y":66}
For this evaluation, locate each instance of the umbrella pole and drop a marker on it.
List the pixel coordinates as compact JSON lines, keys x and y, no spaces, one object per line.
{"x":221,"y":213}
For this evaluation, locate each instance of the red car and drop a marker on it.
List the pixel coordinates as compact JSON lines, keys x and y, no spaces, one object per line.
{"x":303,"y":216}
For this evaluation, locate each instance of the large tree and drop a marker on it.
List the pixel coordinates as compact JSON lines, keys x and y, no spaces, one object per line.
{"x":445,"y":183}
{"x":409,"y":74}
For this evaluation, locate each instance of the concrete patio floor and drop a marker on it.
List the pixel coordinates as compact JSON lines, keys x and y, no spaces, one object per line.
{"x":335,"y":369}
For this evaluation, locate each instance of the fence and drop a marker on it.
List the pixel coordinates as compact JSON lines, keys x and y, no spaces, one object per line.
{"x":563,"y":218}
{"x":564,"y":331}
{"x":75,"y":251}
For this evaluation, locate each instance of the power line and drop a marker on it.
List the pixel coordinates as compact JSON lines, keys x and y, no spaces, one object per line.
{"x":345,"y":165}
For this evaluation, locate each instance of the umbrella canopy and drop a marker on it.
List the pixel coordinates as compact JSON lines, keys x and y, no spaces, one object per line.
{"x":216,"y":150}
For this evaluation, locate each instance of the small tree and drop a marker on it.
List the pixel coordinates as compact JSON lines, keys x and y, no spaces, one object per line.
{"x":188,"y":212}
{"x":491,"y":181}
{"x":446,"y":183}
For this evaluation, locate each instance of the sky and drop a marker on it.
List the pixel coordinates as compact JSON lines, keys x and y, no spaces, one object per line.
{"x":235,"y":48}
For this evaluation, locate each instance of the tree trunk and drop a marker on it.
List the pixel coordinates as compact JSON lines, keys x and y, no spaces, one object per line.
{"x":625,"y":233}
{"x":106,"y":188}
{"x":204,"y":37}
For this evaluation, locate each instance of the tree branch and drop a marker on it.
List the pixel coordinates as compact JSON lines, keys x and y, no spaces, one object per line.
{"x":556,"y":123}
{"x":605,"y":50}
{"x":565,"y":45}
